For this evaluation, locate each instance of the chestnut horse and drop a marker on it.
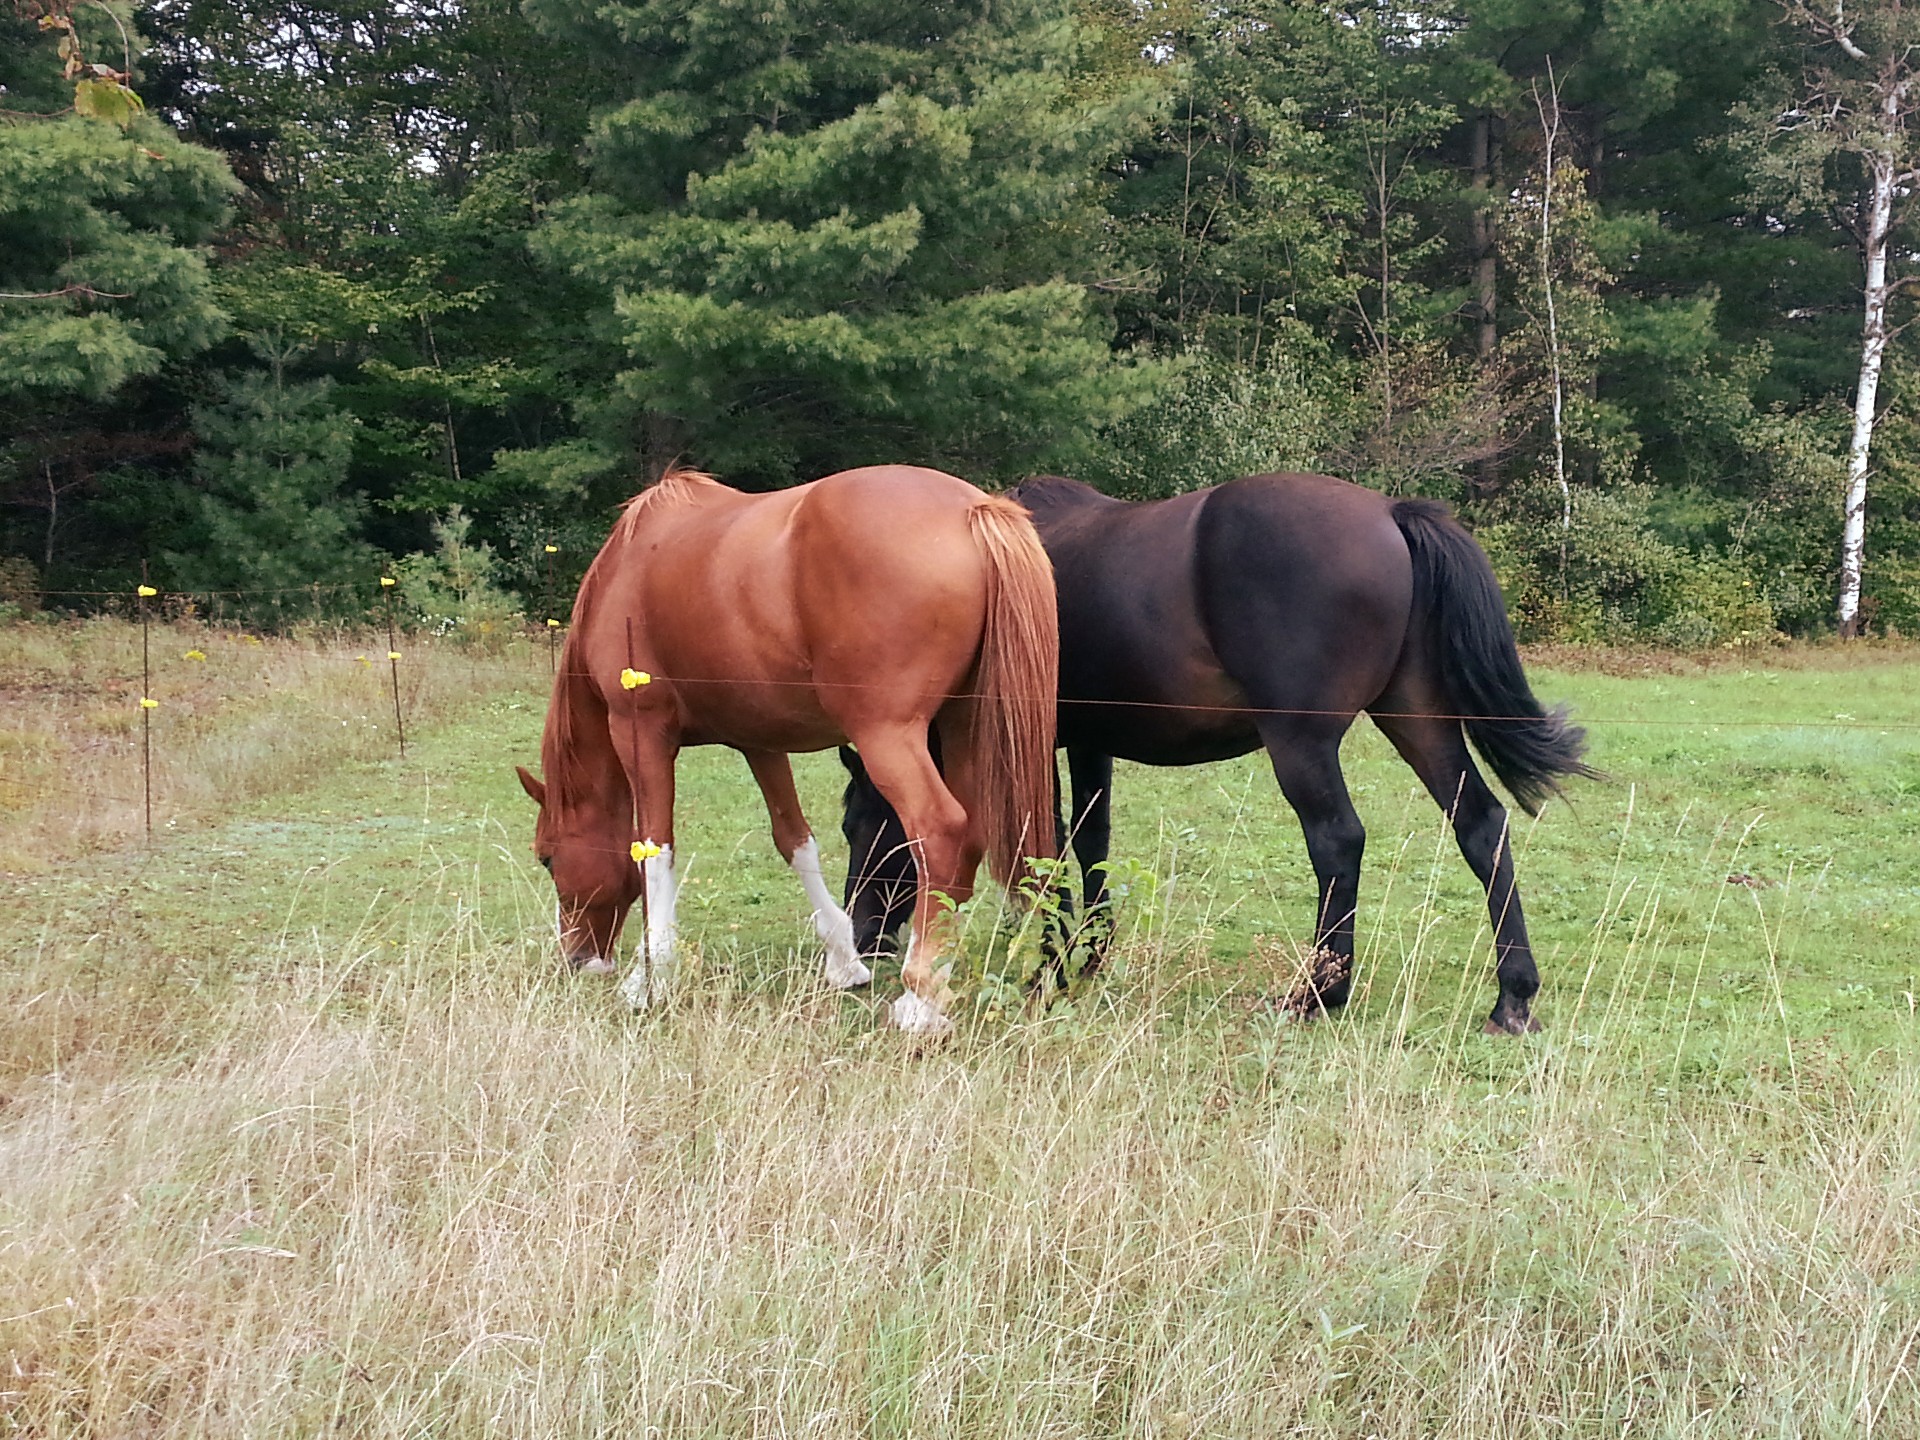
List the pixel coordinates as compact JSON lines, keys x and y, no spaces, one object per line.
{"x":1267,"y":613}
{"x":872,"y":606}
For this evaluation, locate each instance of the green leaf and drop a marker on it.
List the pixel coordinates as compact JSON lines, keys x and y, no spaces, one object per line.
{"x":107,"y":100}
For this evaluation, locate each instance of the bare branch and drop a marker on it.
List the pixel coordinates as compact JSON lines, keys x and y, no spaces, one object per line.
{"x":86,"y":290}
{"x":1842,"y":32}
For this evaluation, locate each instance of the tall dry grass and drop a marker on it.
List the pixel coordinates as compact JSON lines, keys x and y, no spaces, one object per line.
{"x":380,"y":1171}
{"x":240,"y":715}
{"x":435,"y":1189}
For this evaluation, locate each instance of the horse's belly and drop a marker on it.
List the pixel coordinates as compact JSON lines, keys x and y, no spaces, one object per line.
{"x":760,"y":736}
{"x":771,"y":714}
{"x":1162,"y":702}
{"x":1158,"y":735}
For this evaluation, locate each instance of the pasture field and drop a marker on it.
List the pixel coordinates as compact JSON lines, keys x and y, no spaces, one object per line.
{"x":302,"y":1132}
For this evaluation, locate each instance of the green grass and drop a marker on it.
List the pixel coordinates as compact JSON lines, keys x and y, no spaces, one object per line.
{"x":301,"y":1129}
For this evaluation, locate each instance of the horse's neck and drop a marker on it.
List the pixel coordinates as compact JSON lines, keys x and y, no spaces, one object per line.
{"x":581,"y":761}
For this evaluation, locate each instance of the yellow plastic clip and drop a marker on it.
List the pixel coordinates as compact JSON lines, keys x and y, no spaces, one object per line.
{"x":553,"y":624}
{"x":634,"y":679}
{"x":386,"y":581}
{"x":553,"y":549}
{"x":393,"y":654}
{"x":146,"y":704}
{"x":146,"y":590}
{"x":194,"y":655}
{"x":643,"y":851}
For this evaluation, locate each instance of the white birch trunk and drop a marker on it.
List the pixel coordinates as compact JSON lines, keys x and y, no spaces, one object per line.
{"x":1550,"y":131}
{"x":1873,"y":346}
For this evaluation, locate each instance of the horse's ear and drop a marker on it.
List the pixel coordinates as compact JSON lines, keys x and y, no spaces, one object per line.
{"x":532,"y":786}
{"x":850,"y":758}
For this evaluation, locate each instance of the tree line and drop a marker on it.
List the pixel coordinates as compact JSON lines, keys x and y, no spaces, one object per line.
{"x":289,"y":286}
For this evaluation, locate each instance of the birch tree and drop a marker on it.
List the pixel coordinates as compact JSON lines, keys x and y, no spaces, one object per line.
{"x":1848,"y":140}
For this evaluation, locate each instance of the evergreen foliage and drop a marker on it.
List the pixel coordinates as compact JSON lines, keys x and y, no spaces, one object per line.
{"x":836,"y":234}
{"x":272,"y":517}
{"x":102,"y":275}
{"x":518,"y":254}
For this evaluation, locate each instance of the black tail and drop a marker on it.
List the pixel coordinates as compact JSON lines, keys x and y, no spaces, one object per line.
{"x":1471,"y":640}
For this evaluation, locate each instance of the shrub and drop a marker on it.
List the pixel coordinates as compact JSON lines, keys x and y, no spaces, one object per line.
{"x":453,"y":591}
{"x":1710,"y":599}
{"x":1214,"y":421}
{"x":19,"y":586}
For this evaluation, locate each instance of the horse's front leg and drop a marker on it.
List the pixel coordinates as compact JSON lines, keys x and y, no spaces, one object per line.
{"x":647,"y":753}
{"x":1090,"y":776}
{"x":793,"y":837}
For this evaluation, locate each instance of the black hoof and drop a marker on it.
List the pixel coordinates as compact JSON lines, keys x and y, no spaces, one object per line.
{"x":1322,"y":988}
{"x":1502,"y":1023}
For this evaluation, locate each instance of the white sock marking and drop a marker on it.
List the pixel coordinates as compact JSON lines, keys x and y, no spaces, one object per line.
{"x":919,"y":1017}
{"x":642,"y":988}
{"x":830,"y":922}
{"x":914,"y":1013}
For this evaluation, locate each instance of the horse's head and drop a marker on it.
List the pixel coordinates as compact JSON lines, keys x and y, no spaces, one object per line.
{"x":1041,"y":495}
{"x":589,"y":855}
{"x":882,"y":879}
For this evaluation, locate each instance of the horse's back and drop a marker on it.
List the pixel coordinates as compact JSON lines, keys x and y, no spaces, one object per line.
{"x":1179,"y":617}
{"x":861,"y":582}
{"x":1138,"y":673}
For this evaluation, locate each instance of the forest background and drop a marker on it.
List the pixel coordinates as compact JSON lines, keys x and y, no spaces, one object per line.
{"x":290,"y":287}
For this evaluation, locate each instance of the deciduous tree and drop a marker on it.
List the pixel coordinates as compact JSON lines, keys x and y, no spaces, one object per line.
{"x":1846,"y":142}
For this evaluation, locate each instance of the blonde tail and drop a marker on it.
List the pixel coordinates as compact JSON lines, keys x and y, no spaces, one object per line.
{"x":1018,"y":681}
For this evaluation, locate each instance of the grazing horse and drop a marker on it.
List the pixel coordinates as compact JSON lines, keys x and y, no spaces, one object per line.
{"x":873,"y":606}
{"x":1267,"y":613}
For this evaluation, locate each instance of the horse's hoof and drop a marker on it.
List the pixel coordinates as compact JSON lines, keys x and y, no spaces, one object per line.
{"x":914,"y":1016}
{"x":597,"y":965}
{"x":1321,"y":990}
{"x":847,"y":974}
{"x":1511,"y":1025}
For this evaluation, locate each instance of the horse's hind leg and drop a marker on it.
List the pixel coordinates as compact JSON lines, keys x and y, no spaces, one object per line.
{"x":946,"y":850}
{"x":793,"y":837}
{"x":1305,"y":751}
{"x":1437,"y":751}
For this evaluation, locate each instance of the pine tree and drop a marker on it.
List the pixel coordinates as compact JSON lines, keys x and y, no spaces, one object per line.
{"x":837,"y":233}
{"x":102,"y":213}
{"x":271,"y":517}
{"x":104,"y":216}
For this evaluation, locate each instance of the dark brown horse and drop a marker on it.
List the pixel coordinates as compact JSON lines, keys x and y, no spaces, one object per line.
{"x":1268,"y":613}
{"x":872,"y":606}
